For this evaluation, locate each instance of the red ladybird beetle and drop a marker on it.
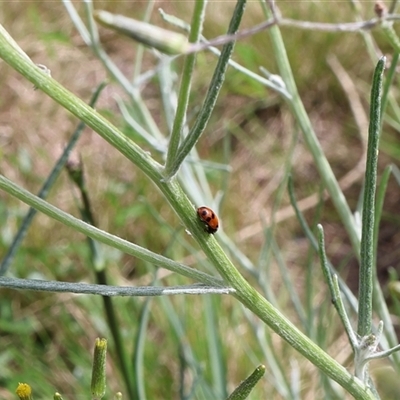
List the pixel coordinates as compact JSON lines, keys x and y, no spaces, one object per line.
{"x":209,"y":217}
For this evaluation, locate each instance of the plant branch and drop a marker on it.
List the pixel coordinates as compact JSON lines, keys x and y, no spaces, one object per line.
{"x":310,"y":137}
{"x":108,"y":290}
{"x":333,"y":284}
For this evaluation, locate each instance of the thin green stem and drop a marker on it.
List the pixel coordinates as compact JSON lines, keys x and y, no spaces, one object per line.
{"x":368,"y":216}
{"x":77,"y":21}
{"x":184,"y":92}
{"x":95,"y":45}
{"x":139,"y":349}
{"x":141,"y":48}
{"x":333,"y":284}
{"x":215,"y":355}
{"x":273,"y":82}
{"x":391,"y":35}
{"x":384,"y":354}
{"x":111,"y":291}
{"x":98,"y":384}
{"x":309,"y":135}
{"x":212,"y":94}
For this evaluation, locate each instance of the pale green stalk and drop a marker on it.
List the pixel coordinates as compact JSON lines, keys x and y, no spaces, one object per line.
{"x":184,"y":92}
{"x":139,"y":350}
{"x":111,"y":291}
{"x":214,"y":346}
{"x":141,"y":49}
{"x":299,"y":112}
{"x":333,"y":285}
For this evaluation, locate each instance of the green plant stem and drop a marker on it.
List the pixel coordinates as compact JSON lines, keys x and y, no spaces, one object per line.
{"x":298,"y":110}
{"x":333,"y":285}
{"x":184,"y":92}
{"x":91,"y":37}
{"x":141,"y":48}
{"x":245,"y":293}
{"x":212,"y":94}
{"x":110,"y":291}
{"x":77,"y":176}
{"x":139,"y":350}
{"x":368,"y":215}
{"x":391,"y":35}
{"x":217,"y":360}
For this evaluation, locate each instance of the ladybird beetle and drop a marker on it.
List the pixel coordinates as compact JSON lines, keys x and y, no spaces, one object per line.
{"x":209,"y":217}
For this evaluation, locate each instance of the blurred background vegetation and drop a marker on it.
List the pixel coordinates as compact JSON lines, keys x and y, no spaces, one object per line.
{"x":46,"y":339}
